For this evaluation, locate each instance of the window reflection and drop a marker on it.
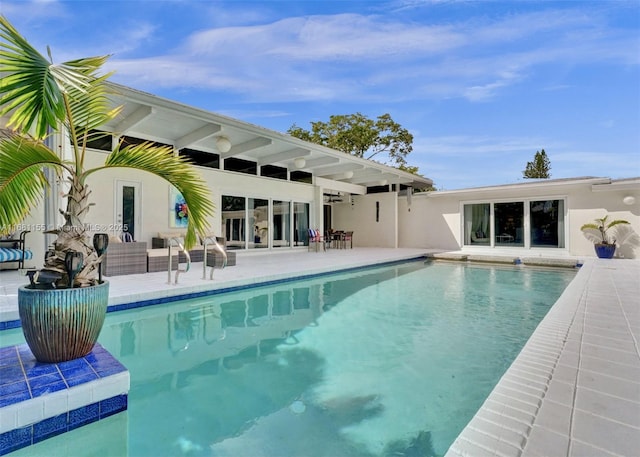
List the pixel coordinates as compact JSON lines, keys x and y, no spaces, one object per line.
{"x":509,"y":224}
{"x":547,"y":223}
{"x":477,"y":224}
{"x":300,"y":224}
{"x":259,"y":218}
{"x":281,"y":224}
{"x":233,"y":221}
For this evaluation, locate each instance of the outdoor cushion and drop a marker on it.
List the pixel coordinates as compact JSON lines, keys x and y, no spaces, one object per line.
{"x":14,"y":255}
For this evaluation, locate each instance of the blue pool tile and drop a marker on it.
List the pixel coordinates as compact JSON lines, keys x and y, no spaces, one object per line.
{"x":37,"y":379}
{"x":9,"y":356}
{"x":113,"y":405}
{"x":72,"y":364}
{"x":44,"y":379}
{"x":83,"y":416}
{"x":13,"y":398}
{"x":14,"y":387}
{"x":34,"y":369}
{"x":43,"y":389}
{"x":108,"y":368}
{"x":25,"y":353}
{"x":11,"y":373}
{"x":50,"y":427}
{"x":81,"y":379}
{"x":15,"y":439}
{"x":81,"y":367}
{"x":8,"y":351}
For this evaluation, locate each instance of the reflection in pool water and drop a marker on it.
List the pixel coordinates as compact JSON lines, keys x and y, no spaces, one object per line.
{"x":379,"y":362}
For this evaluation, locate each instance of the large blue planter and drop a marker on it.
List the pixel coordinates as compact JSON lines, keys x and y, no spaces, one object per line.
{"x":62,"y":324}
{"x":605,"y":251}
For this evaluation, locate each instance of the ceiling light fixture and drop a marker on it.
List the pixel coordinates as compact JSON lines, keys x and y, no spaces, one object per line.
{"x":300,"y":162}
{"x":223,"y":144}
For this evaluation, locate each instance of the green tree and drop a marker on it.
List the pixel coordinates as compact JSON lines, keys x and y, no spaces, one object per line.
{"x":539,"y":168}
{"x":40,"y":97}
{"x":361,"y":136}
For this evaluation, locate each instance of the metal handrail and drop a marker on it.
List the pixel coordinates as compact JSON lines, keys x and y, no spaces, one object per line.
{"x":178,"y":242}
{"x":205,"y":242}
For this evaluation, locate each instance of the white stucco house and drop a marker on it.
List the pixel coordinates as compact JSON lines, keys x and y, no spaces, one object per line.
{"x":270,"y":188}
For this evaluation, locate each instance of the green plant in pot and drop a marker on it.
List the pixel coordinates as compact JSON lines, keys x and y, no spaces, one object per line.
{"x":599,"y":233}
{"x":40,"y":98}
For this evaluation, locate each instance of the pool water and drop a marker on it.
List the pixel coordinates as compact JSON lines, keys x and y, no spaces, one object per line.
{"x":378,"y":362}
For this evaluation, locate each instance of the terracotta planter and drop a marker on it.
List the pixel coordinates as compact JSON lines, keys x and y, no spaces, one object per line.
{"x":62,"y":324}
{"x":605,"y":251}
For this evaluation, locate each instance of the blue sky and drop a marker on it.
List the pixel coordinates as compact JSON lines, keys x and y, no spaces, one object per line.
{"x":481,"y":85}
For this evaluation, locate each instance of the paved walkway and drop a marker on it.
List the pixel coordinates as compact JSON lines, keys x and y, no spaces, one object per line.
{"x":573,"y":391}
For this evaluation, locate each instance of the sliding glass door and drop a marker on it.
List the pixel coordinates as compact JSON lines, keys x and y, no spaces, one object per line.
{"x":528,"y":223}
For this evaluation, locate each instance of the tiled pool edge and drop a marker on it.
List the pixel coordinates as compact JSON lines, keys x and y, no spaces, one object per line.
{"x":532,"y":410}
{"x":119,"y":304}
{"x":54,"y":409}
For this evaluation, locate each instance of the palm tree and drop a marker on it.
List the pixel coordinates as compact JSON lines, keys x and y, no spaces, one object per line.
{"x":41,"y":97}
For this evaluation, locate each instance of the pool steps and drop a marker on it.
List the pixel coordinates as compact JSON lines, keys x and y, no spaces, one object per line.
{"x":501,"y":259}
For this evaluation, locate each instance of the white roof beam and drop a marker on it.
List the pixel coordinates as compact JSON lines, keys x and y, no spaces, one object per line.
{"x":341,"y":168}
{"x":197,"y":135}
{"x":321,"y":162}
{"x":250,"y":145}
{"x":134,"y":119}
{"x":284,"y":155}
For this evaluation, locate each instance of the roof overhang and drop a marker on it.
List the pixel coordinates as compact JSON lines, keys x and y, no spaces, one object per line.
{"x":147,"y":116}
{"x":552,"y":184}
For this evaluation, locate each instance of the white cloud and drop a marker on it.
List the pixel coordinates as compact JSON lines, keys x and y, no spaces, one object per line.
{"x":326,"y":57}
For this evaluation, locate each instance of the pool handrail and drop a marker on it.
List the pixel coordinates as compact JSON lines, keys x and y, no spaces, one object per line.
{"x":216,"y":245}
{"x":178,"y":243}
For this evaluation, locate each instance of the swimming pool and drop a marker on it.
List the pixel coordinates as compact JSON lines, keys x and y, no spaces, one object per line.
{"x":383,"y":361}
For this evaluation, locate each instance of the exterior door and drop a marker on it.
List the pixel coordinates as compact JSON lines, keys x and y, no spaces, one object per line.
{"x":127,"y":215}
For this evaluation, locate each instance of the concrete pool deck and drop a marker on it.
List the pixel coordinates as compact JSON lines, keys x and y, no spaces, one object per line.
{"x":574,"y":390}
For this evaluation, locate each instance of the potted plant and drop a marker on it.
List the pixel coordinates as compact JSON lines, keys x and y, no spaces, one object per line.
{"x":40,"y":98}
{"x":605,"y":245}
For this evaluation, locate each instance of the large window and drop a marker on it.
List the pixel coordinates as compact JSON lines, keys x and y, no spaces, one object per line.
{"x":246,"y":223}
{"x":204,"y":159}
{"x":529,"y":223}
{"x":547,"y":223}
{"x":259,"y":219}
{"x":281,"y":224}
{"x":509,"y":224}
{"x":300,"y":224}
{"x":477,"y":230}
{"x":233,"y":221}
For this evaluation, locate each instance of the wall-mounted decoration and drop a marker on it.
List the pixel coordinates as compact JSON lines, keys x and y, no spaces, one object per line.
{"x":178,"y":211}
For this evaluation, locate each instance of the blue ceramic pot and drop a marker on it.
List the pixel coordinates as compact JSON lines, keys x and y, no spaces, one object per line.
{"x":62,"y":324}
{"x":605,"y":251}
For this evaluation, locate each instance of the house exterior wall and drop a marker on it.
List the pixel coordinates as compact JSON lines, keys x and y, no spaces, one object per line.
{"x":434,"y":220}
{"x":155,"y":195}
{"x":361,"y":218}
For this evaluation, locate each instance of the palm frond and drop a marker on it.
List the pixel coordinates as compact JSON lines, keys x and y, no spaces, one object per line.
{"x":27,"y":90}
{"x":161,"y":162}
{"x":32,"y":89}
{"x":21,"y":177}
{"x":89,"y":105}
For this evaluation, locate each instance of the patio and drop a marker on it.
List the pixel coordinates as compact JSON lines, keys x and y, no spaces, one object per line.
{"x":572,"y":391}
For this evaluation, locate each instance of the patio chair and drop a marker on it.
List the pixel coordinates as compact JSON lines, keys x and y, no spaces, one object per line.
{"x":316,"y":238}
{"x":347,"y":238}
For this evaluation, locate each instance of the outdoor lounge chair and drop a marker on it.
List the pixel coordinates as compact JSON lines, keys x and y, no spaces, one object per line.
{"x":316,"y":238}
